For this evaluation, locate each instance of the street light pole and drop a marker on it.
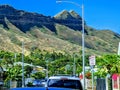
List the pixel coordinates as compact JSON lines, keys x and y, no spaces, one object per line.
{"x":83,"y":40}
{"x":83,"y":47}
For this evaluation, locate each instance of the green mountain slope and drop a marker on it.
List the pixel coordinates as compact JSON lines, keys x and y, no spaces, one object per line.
{"x":59,"y":33}
{"x":12,"y":38}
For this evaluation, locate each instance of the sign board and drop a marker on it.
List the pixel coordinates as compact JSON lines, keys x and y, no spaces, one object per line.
{"x":116,"y":81}
{"x":67,"y":67}
{"x":92,"y":60}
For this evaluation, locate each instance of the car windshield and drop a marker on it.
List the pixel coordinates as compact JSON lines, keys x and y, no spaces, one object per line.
{"x":74,"y":84}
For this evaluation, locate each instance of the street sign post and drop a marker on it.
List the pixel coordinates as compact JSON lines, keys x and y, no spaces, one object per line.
{"x":92,"y":62}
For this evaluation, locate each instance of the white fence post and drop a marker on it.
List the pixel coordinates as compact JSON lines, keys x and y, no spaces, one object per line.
{"x":106,"y":83}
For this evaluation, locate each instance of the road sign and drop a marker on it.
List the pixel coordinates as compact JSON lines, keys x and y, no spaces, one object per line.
{"x":92,"y":60}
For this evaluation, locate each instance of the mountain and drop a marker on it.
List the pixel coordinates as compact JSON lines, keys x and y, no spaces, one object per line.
{"x":69,"y":19}
{"x":24,"y":20}
{"x":61,"y":33}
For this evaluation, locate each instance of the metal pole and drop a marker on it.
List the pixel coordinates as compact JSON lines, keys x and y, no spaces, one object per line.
{"x":47,"y":69}
{"x":74,"y":65}
{"x":22,"y":64}
{"x":83,"y":41}
{"x":119,"y":48}
{"x":83,"y":47}
{"x":92,"y":78}
{"x":15,"y":58}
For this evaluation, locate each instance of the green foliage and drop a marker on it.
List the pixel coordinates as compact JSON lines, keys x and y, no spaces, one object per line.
{"x":101,"y":72}
{"x":13,"y":73}
{"x":56,"y":62}
{"x":30,"y":84}
{"x":38,"y":75}
{"x":107,"y":64}
{"x":28,"y":70}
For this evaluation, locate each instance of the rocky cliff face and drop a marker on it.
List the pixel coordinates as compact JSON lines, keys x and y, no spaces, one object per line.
{"x":70,"y":19}
{"x":25,"y":20}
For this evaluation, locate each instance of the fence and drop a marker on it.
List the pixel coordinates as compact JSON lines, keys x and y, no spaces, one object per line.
{"x":100,"y":84}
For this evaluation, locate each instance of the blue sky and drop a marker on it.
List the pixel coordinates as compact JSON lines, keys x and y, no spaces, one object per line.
{"x":99,"y":14}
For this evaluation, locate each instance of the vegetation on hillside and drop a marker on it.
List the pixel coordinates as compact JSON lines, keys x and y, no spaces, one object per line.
{"x":56,"y":63}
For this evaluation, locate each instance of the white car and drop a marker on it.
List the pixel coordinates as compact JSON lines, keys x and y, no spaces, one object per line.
{"x":62,"y":81}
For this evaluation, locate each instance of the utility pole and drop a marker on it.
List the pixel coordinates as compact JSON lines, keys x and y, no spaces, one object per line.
{"x":119,"y":49}
{"x":23,"y":80}
{"x":74,"y":65}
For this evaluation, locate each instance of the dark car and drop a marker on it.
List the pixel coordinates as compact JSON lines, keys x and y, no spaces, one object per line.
{"x":39,"y":88}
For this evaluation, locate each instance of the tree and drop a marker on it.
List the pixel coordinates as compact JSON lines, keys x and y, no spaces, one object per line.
{"x":13,"y":73}
{"x":38,"y":75}
{"x":28,"y":70}
{"x":108,"y":64}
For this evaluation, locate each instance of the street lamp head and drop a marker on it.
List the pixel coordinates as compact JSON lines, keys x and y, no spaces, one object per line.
{"x":66,"y":1}
{"x":58,"y":1}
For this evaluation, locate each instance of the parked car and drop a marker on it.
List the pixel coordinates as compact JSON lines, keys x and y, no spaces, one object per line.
{"x":39,"y":82}
{"x":1,"y":83}
{"x":62,"y":81}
